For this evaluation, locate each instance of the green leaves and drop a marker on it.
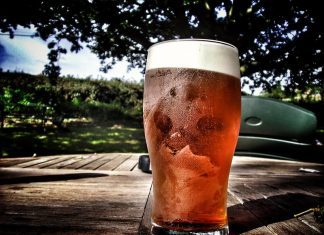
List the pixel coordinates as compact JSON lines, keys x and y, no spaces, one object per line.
{"x":276,"y":39}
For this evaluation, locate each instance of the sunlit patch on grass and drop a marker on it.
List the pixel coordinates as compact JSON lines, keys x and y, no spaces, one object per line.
{"x":130,"y":129}
{"x":41,"y":137}
{"x":96,"y":142}
{"x":77,"y":120}
{"x":113,"y":134}
{"x":131,"y":141}
{"x":87,"y":134}
{"x":5,"y":154}
{"x":112,"y":141}
{"x":18,"y":136}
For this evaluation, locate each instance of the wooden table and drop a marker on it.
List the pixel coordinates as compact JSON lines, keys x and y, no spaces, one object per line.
{"x":108,"y":194}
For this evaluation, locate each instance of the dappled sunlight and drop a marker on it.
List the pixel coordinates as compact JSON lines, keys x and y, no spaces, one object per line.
{"x":96,"y":142}
{"x":42,"y":137}
{"x":18,"y":135}
{"x":86,"y":134}
{"x":5,"y":154}
{"x":132,"y":141}
{"x":74,"y":139}
{"x":113,"y":134}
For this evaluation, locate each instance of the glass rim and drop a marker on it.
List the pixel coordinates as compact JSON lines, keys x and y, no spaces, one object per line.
{"x":195,"y":40}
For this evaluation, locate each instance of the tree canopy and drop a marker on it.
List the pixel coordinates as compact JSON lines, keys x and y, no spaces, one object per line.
{"x":280,"y":42}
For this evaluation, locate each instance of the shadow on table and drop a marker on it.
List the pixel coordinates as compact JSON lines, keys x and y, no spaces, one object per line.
{"x":49,"y":178}
{"x":257,"y":213}
{"x":254,"y":214}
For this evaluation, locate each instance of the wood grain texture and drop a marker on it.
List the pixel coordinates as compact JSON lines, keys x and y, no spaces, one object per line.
{"x":108,"y":194}
{"x":36,"y":161}
{"x":113,"y":164}
{"x":44,"y":201}
{"x":264,"y":195}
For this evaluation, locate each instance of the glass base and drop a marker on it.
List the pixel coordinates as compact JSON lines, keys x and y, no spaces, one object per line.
{"x":158,"y":230}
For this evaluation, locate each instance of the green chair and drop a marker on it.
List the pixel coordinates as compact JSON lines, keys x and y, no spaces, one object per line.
{"x":273,"y":128}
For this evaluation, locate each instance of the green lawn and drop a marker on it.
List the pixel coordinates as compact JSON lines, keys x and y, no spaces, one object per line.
{"x":78,"y":137}
{"x":75,"y":138}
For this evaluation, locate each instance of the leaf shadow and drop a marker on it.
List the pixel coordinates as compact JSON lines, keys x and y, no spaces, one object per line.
{"x":265,"y":211}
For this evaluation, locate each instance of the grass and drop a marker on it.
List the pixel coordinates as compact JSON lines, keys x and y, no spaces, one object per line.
{"x":76,"y":137}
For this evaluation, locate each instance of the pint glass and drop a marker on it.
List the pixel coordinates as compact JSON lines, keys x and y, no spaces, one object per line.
{"x":192,"y":107}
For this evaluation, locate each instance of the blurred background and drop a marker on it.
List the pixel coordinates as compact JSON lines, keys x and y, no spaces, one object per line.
{"x":71,"y":72}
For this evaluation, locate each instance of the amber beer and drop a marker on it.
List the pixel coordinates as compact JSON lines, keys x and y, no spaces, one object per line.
{"x":192,"y":108}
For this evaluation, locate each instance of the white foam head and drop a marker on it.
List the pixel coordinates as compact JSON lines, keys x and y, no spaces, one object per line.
{"x":203,"y":54}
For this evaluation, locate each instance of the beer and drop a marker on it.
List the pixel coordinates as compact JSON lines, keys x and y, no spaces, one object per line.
{"x":191,"y":121}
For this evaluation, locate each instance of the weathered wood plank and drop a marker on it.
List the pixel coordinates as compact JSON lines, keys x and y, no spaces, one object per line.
{"x":309,"y":220}
{"x":292,"y":199}
{"x":71,"y":201}
{"x":266,"y":166}
{"x":266,"y":210}
{"x":245,"y":218}
{"x":263,"y":196}
{"x":128,"y":164}
{"x":278,"y":180}
{"x":8,"y":162}
{"x":110,"y":211}
{"x":314,"y":187}
{"x":36,"y":161}
{"x":85,"y":160}
{"x":241,"y":219}
{"x":291,"y":226}
{"x":136,"y":169}
{"x":272,"y":210}
{"x":99,"y":162}
{"x":114,"y":163}
{"x":257,"y":231}
{"x":52,"y":162}
{"x":65,"y":163}
{"x":109,"y":228}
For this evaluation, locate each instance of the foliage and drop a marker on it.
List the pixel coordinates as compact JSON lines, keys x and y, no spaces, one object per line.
{"x":21,"y":93}
{"x":70,"y":97}
{"x":276,"y":92}
{"x":279,"y":41}
{"x":103,"y":99}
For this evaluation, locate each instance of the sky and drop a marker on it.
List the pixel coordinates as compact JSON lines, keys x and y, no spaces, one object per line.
{"x":29,"y":55}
